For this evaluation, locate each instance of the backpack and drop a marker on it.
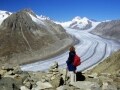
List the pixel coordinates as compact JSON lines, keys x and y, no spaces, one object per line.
{"x":77,"y":60}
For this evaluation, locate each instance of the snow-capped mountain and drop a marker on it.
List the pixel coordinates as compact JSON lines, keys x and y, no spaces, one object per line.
{"x":79,"y":23}
{"x":76,"y":23}
{"x":4,"y":15}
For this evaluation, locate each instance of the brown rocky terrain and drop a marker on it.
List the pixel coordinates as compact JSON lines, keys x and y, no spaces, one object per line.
{"x":13,"y":78}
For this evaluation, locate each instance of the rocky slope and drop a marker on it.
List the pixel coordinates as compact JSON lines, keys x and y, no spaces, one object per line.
{"x":24,"y":38}
{"x":109,"y":65}
{"x":110,"y":30}
{"x":108,"y":70}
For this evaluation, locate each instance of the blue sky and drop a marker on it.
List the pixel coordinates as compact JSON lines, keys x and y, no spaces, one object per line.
{"x":65,"y":10}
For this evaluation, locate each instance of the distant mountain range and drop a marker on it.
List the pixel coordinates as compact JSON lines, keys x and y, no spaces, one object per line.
{"x":108,"y":29}
{"x":80,"y":23}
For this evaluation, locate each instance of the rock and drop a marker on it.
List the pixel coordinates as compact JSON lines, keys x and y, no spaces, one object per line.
{"x":28,"y":85}
{"x":10,"y":73}
{"x":21,"y":77}
{"x":17,"y":70}
{"x":55,"y":81}
{"x":53,"y":76}
{"x":66,"y":87}
{"x":9,"y":84}
{"x":105,"y":74}
{"x":55,"y":65}
{"x":55,"y":70}
{"x":63,"y":73}
{"x":2,"y":72}
{"x":108,"y":86}
{"x":27,"y":82}
{"x":61,"y":88}
{"x":7,"y":67}
{"x":24,"y":88}
{"x":11,"y":76}
{"x":42,"y":86}
{"x":118,"y":73}
{"x":49,"y":75}
{"x":43,"y":80}
{"x":18,"y":77}
{"x":97,"y":80}
{"x":50,"y":70}
{"x":105,"y":79}
{"x":86,"y":85}
{"x":93,"y":75}
{"x":37,"y":76}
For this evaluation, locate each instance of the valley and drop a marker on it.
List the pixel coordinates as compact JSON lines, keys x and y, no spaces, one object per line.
{"x":91,"y":48}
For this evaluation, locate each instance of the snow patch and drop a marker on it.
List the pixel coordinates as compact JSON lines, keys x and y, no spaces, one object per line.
{"x":41,"y":17}
{"x":4,"y":15}
{"x":36,"y":20}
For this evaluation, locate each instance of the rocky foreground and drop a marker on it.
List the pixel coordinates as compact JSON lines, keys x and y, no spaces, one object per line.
{"x":13,"y":78}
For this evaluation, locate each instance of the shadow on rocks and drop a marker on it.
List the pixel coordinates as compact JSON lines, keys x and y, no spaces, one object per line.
{"x":61,"y":82}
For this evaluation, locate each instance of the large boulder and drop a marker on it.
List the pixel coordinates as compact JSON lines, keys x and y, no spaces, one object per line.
{"x":9,"y":84}
{"x":86,"y":85}
{"x":42,"y":86}
{"x":53,"y":76}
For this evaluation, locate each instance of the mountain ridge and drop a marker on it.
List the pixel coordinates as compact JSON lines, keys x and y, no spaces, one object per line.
{"x":23,"y":37}
{"x":79,"y":23}
{"x":109,"y":29}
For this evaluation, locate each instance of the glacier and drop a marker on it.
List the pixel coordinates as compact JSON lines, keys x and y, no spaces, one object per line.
{"x":91,"y":48}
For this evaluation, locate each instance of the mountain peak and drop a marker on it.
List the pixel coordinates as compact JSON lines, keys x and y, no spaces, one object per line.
{"x":76,"y":18}
{"x":80,"y":23}
{"x":85,"y":18}
{"x":28,"y":10}
{"x":20,"y":19}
